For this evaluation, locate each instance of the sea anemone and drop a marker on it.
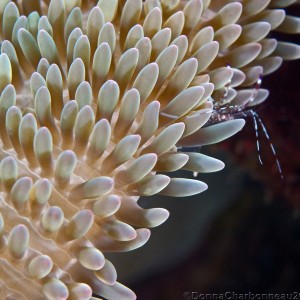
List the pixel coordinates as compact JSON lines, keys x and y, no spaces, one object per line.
{"x":97,"y":99}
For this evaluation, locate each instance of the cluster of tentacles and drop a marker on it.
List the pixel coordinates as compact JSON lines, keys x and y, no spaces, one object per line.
{"x":96,"y":98}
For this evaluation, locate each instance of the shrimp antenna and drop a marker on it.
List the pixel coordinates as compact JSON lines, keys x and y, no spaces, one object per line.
{"x":265,"y":131}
